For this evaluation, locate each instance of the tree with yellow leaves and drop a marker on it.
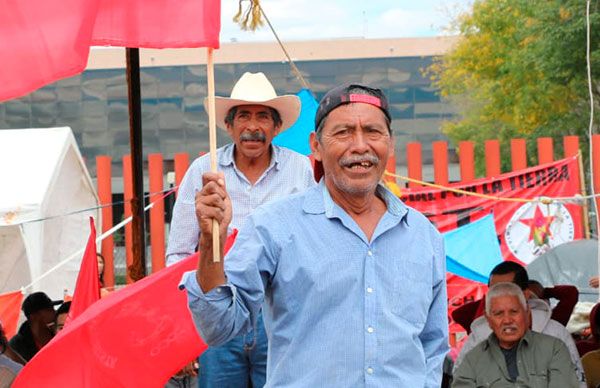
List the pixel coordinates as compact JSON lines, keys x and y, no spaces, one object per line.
{"x":519,"y":71}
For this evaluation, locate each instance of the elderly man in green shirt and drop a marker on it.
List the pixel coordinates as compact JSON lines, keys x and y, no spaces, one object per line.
{"x":513,"y":355}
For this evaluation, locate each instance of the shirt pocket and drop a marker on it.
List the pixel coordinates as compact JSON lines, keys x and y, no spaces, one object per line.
{"x":487,"y":381}
{"x":538,"y":378}
{"x":413,"y":290}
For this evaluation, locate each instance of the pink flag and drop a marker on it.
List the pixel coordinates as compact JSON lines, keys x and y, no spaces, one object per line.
{"x":42,"y":41}
{"x":138,"y":336}
{"x":87,"y":288}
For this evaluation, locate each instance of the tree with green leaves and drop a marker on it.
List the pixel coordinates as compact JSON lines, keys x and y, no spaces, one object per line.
{"x":518,"y":70}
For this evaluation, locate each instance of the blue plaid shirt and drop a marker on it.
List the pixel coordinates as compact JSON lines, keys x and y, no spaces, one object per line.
{"x":289,"y":172}
{"x":340,"y":311}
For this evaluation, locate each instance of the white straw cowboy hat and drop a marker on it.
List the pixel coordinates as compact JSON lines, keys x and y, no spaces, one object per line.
{"x":255,"y":89}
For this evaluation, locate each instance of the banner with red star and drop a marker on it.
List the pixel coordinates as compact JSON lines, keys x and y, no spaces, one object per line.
{"x":525,"y":230}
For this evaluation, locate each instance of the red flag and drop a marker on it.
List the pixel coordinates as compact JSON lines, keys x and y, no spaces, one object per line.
{"x":158,"y":23}
{"x":87,"y":288}
{"x":461,"y":291}
{"x":138,"y":336}
{"x":10,"y":309}
{"x":42,"y":41}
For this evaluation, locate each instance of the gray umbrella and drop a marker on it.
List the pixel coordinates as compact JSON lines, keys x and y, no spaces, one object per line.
{"x":571,"y":263}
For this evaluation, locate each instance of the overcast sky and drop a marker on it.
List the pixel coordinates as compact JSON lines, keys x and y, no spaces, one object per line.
{"x":326,"y":19}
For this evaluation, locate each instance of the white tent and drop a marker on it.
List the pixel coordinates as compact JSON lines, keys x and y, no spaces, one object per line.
{"x":42,"y":179}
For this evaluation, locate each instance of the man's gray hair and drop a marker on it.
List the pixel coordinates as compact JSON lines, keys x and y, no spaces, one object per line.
{"x":504,"y":289}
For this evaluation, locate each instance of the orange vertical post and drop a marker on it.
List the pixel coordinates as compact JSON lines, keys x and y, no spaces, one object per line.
{"x":518,"y":154}
{"x":390,"y":167}
{"x":104,"y":183}
{"x":492,"y":158}
{"x":157,"y":211}
{"x":414,"y":160}
{"x":596,"y":163}
{"x":570,"y":145}
{"x":127,"y":196}
{"x":182,"y":162}
{"x":545,"y":150}
{"x":440,"y":162}
{"x":466,"y":155}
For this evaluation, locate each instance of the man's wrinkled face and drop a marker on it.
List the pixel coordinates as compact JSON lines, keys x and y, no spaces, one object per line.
{"x":508,"y":319}
{"x":354,"y":146}
{"x":252,"y":130}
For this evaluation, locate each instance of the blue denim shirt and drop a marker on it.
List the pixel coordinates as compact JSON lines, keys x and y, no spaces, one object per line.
{"x":340,"y":310}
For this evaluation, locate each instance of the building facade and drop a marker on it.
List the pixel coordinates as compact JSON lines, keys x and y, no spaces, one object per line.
{"x":173,"y":86}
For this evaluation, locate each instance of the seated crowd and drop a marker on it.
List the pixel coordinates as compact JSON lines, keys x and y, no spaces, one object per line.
{"x":41,"y":325}
{"x":516,"y":339}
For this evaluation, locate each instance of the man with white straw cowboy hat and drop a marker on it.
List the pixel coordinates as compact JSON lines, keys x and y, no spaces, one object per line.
{"x":255,"y":172}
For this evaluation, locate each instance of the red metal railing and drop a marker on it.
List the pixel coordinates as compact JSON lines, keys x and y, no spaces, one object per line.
{"x":466,"y":153}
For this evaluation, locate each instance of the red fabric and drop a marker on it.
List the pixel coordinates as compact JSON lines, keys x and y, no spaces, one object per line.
{"x":138,"y":336}
{"x":461,"y":296}
{"x":43,"y":41}
{"x":525,"y":231}
{"x":567,"y":297}
{"x":87,"y":288}
{"x":467,"y":313}
{"x":10,"y":309}
{"x":158,"y":23}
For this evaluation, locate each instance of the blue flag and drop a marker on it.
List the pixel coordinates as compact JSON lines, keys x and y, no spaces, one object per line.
{"x":473,"y":250}
{"x":296,"y":137}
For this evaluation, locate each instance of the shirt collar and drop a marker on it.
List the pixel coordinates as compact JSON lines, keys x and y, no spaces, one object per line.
{"x":492,"y":339}
{"x":319,"y":201}
{"x":226,"y":157}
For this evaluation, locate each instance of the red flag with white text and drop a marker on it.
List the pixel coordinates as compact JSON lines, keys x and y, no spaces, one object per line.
{"x":525,"y":229}
{"x":138,"y":336}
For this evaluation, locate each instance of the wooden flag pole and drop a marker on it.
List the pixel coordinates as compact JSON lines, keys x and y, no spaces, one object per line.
{"x":212,"y":140}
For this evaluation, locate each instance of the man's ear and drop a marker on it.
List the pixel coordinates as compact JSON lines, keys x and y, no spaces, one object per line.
{"x":315,"y":146}
{"x":229,"y":128}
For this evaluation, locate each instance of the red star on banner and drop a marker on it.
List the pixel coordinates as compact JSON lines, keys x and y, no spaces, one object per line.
{"x":539,"y":226}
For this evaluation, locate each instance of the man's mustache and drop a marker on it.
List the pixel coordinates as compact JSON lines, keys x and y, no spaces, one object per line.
{"x":253,"y":136}
{"x":354,"y":159}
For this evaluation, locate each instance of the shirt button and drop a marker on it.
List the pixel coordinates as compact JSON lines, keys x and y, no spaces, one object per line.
{"x":369,"y":253}
{"x":369,"y":290}
{"x":370,"y":329}
{"x":370,"y":370}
